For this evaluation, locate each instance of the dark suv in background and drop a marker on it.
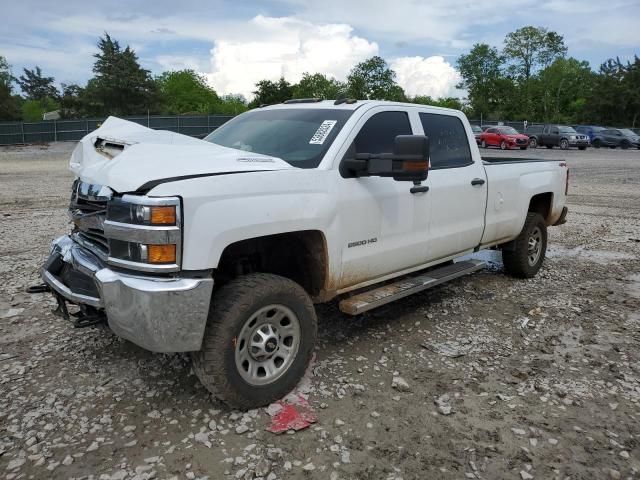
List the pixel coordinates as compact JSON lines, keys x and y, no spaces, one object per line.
{"x":588,"y":130}
{"x":551,"y":136}
{"x":616,"y":137}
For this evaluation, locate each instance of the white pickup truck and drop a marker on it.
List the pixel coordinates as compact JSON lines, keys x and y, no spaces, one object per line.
{"x":221,"y":246}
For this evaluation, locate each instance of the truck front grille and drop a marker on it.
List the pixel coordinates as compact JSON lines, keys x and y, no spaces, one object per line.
{"x":88,"y":211}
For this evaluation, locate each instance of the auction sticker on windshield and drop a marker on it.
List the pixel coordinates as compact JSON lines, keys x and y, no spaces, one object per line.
{"x":323,"y":132}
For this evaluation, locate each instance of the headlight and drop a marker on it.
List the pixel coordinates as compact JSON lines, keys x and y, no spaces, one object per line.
{"x":144,"y":233}
{"x":572,"y":137}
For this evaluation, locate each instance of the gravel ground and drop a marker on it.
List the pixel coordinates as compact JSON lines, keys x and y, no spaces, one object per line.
{"x":502,"y":378}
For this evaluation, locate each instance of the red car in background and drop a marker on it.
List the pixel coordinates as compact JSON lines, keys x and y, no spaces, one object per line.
{"x":503,"y":137}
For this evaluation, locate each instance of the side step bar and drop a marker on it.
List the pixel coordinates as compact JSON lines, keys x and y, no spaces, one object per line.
{"x":407,"y":286}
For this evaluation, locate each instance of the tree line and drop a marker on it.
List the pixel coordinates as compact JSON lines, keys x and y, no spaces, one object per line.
{"x":530,"y":78}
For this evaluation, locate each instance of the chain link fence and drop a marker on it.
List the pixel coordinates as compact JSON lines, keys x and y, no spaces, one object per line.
{"x":16,"y":133}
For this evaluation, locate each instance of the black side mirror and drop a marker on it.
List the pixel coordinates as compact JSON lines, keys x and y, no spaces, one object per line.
{"x":408,"y":162}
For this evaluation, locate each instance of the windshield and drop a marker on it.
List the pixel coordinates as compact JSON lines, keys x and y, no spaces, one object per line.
{"x":566,"y":130}
{"x":298,"y":136}
{"x":508,"y":130}
{"x":628,"y":133}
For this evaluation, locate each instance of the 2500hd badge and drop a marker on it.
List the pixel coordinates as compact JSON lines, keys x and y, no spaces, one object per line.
{"x":362,"y":242}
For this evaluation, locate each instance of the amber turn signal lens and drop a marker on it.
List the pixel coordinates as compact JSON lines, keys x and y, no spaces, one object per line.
{"x":415,"y":166}
{"x":161,"y":253}
{"x":165,"y":215}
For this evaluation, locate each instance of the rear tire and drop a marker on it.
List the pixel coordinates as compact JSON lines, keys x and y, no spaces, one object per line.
{"x":597,"y":143}
{"x":527,"y":255}
{"x":258,"y":342}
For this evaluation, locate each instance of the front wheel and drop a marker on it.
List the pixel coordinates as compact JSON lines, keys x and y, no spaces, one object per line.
{"x":624,"y":145}
{"x":524,"y":257}
{"x":483,"y":144}
{"x":533,"y":143}
{"x":259,"y":339}
{"x":503,"y":145}
{"x":564,"y":144}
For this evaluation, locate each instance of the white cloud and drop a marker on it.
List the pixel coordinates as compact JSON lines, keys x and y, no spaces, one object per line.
{"x":431,"y":76}
{"x":268,"y":48}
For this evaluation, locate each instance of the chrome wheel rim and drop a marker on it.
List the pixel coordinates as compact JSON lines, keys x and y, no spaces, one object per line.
{"x":564,"y":144}
{"x":267,"y":345}
{"x":533,"y":143}
{"x":534,"y":249}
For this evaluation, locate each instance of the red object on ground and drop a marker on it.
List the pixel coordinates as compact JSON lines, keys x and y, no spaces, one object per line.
{"x":291,"y":413}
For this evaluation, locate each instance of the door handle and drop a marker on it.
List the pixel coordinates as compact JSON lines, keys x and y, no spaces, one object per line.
{"x":477,"y":181}
{"x":419,"y":189}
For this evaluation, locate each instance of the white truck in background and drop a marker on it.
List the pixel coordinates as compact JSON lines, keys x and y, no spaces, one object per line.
{"x":221,"y":246}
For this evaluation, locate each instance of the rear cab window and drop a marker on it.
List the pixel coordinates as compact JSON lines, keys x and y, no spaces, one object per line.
{"x":448,"y":141}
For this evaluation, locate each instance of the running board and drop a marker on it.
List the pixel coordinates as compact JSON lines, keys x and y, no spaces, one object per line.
{"x":407,"y":286}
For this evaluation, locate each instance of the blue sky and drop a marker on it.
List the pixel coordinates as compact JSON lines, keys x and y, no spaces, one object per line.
{"x":235,"y":43}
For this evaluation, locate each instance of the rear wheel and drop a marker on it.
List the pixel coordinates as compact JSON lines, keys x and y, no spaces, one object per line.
{"x":597,"y":143}
{"x":525,"y":256}
{"x":564,"y":144}
{"x":260,"y":335}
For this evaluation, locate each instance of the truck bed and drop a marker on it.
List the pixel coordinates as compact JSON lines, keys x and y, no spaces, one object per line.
{"x":508,"y":160}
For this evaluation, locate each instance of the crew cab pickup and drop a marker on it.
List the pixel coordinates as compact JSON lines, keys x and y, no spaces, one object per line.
{"x":221,"y":246}
{"x":551,"y":136}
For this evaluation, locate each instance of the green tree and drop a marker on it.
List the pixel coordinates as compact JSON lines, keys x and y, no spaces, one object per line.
{"x":373,"y":79}
{"x":318,"y":85}
{"x":481,"y":72}
{"x":120,"y":85}
{"x":531,"y":48}
{"x":33,"y":110}
{"x":269,"y":93}
{"x":71,"y":101}
{"x":615,"y":98}
{"x":446,"y":102}
{"x":231,"y":105}
{"x":9,"y":103}
{"x":563,"y":88}
{"x":185,"y":91}
{"x":36,"y":86}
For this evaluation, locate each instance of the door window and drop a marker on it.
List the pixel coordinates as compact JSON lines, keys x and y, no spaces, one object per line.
{"x":379,"y":134}
{"x":448,"y":141}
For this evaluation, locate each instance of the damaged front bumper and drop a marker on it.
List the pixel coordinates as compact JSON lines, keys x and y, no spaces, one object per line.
{"x":161,"y":314}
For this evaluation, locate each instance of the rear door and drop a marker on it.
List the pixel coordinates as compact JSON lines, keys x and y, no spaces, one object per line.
{"x":457,"y":187}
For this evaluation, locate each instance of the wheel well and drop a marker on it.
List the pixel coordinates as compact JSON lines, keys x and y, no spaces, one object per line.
{"x":298,"y":256}
{"x":541,"y":203}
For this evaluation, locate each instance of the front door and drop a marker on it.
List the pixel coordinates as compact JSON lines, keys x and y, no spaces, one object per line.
{"x":383,"y":226}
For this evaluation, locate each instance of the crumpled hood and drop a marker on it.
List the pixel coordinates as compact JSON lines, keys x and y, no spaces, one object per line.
{"x":124,"y":156}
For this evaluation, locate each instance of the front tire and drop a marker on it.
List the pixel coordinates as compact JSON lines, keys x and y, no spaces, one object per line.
{"x":533,"y":143}
{"x":503,"y":145}
{"x":483,"y":144}
{"x":526,"y":256}
{"x":564,"y":144}
{"x":624,"y":145}
{"x":258,"y":342}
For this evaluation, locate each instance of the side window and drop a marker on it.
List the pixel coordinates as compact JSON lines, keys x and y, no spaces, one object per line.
{"x":449,"y":145}
{"x":378,"y":135}
{"x":490,"y":130}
